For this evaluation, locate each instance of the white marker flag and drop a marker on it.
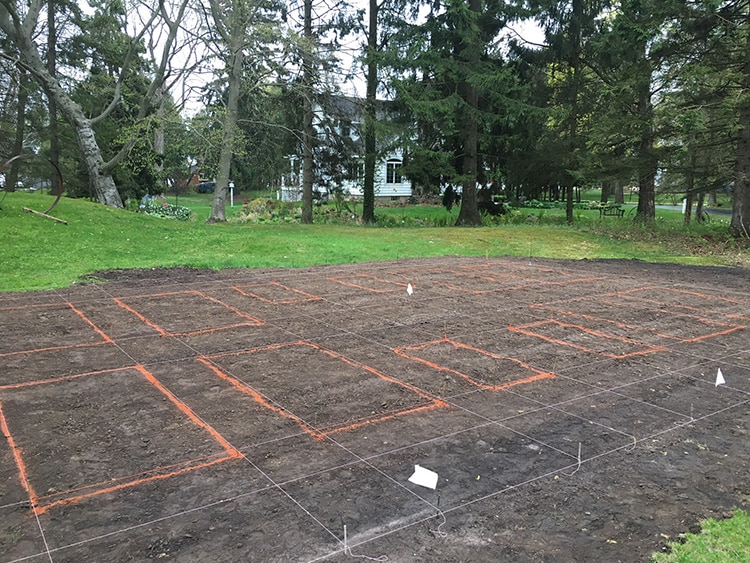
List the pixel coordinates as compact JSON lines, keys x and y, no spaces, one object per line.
{"x":424,"y":477}
{"x":409,"y":289}
{"x":719,"y":378}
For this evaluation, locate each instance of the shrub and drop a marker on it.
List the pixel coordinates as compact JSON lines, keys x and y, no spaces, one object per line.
{"x":164,"y":209}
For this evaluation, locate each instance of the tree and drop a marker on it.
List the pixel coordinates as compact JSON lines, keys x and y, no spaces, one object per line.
{"x":19,"y":23}
{"x":449,"y":79}
{"x":242,"y":36}
{"x":368,"y":192}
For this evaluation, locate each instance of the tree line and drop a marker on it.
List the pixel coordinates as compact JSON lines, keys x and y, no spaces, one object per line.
{"x":642,"y":94}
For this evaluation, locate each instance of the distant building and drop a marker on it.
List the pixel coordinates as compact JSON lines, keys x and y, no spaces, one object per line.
{"x":339,"y":156}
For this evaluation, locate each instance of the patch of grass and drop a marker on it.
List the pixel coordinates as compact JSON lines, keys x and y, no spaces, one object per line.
{"x":41,"y":254}
{"x":720,"y":541}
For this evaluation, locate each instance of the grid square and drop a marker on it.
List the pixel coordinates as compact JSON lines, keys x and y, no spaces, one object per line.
{"x":165,"y":312}
{"x":370,"y":283}
{"x":484,"y":369}
{"x":138,"y":432}
{"x":275,"y":293}
{"x":661,"y":322}
{"x":353,"y":394}
{"x":586,"y":339}
{"x":48,"y":327}
{"x":689,"y":301}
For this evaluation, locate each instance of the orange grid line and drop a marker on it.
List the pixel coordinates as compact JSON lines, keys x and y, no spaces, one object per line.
{"x":532,"y":279}
{"x":629,"y":294}
{"x":367,"y":276}
{"x":230,"y":452}
{"x":22,"y":473}
{"x":307,"y":296}
{"x":319,"y":434}
{"x":498,"y":387}
{"x":62,"y":378}
{"x":729,"y":328}
{"x":649,"y":349}
{"x":252,"y":320}
{"x":105,"y":338}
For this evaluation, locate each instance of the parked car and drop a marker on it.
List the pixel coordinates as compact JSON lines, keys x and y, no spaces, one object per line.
{"x":206,"y":187}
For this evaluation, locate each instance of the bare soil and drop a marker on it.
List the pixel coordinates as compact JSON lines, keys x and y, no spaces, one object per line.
{"x":572,"y":412}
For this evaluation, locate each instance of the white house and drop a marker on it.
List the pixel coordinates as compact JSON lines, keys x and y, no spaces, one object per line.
{"x":339,"y":162}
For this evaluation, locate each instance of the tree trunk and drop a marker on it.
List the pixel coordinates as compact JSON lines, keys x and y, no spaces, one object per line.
{"x":699,"y":207}
{"x":688,"y":207}
{"x":740,"y":223}
{"x":102,"y":183}
{"x":54,"y":140}
{"x":469,"y":215}
{"x":234,"y":80}
{"x":21,"y":101}
{"x":647,"y":163}
{"x":619,"y":193}
{"x":308,"y":132}
{"x":368,"y":192}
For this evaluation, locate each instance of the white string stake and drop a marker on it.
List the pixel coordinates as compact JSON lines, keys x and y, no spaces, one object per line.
{"x":579,"y":462}
{"x":437,"y":532}
{"x":348,"y":551}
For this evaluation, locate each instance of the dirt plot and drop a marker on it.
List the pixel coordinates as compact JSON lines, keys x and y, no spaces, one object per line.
{"x":570,"y":409}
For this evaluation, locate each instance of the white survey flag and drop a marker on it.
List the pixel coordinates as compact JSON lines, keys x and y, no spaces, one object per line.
{"x":409,"y":289}
{"x":719,"y":378}
{"x":424,"y":477}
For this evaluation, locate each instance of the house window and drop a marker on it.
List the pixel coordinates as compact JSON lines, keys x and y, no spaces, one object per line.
{"x":393,"y":172}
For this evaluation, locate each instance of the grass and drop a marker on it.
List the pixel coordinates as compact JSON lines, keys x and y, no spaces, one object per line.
{"x":720,"y":541}
{"x":41,"y":254}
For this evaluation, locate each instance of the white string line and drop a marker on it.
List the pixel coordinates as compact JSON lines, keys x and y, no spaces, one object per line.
{"x":150,"y":522}
{"x":531,"y":480}
{"x":14,"y":504}
{"x":41,"y":531}
{"x":576,"y":466}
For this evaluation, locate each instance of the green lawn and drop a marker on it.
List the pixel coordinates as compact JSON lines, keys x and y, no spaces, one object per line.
{"x":42,"y":254}
{"x":720,"y":541}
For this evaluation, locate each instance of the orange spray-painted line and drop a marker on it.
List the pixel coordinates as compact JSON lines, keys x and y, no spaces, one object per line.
{"x":366,"y":276}
{"x":120,"y":486}
{"x":22,"y":473}
{"x":538,"y":374}
{"x":247,"y":390}
{"x":52,"y":349}
{"x":189,"y":465}
{"x":62,"y":378}
{"x":91,"y":324}
{"x":321,"y":434}
{"x":365,"y":421}
{"x":231,"y":450}
{"x":306,"y":296}
{"x":648,"y":348}
{"x":252,"y":321}
{"x":153,"y":325}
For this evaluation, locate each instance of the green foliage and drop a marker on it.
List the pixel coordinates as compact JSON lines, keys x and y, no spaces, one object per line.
{"x":720,"y":541}
{"x":165,"y":210}
{"x":260,"y":211}
{"x":100,"y":238}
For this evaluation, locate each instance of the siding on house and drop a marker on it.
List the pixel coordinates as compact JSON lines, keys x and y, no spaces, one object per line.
{"x":343,"y":119}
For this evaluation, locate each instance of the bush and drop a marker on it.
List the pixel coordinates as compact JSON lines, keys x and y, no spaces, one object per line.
{"x":164,"y":209}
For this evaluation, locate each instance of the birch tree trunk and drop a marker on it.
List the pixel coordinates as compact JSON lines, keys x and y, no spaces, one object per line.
{"x":20,"y":33}
{"x":234,"y":81}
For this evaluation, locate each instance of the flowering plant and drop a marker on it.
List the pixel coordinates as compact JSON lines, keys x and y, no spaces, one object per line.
{"x":164,"y":209}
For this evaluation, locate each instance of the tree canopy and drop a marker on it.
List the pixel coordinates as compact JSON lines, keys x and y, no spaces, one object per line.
{"x":646,"y":94}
